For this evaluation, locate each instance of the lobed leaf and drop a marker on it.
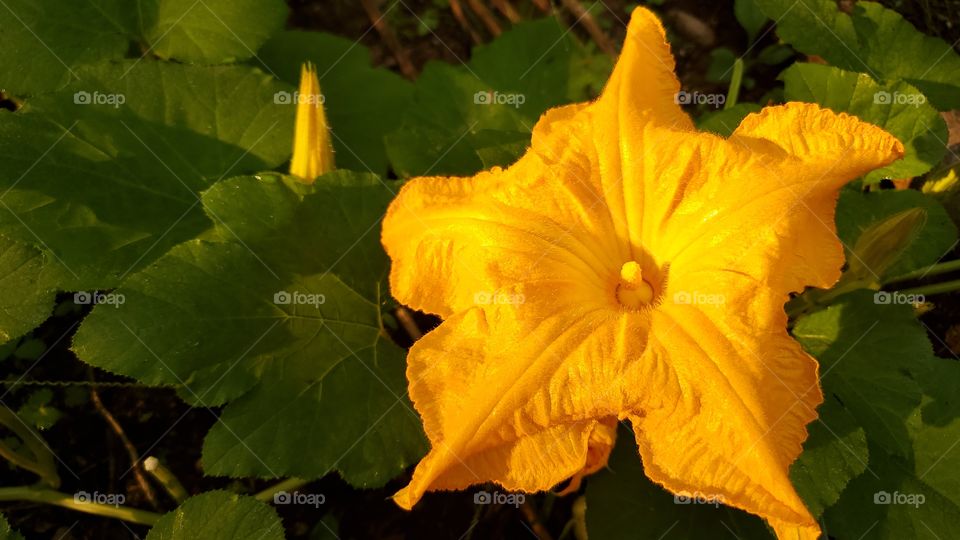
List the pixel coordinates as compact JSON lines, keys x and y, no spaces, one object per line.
{"x":210,"y":318}
{"x":219,"y":515}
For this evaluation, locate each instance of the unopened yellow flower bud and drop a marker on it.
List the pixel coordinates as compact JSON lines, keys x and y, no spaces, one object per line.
{"x":312,"y":148}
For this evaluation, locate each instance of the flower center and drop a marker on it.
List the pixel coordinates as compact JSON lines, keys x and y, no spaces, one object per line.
{"x":633,"y":291}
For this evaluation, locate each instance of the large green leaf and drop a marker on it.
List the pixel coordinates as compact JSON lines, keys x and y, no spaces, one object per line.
{"x":899,"y":498}
{"x":209,"y":318}
{"x":362,"y":103}
{"x":866,"y":350}
{"x":871,"y":39}
{"x":481,"y":114}
{"x":106,"y":187}
{"x":209,"y":31}
{"x":834,"y":453}
{"x":896,"y":107}
{"x":24,"y":301}
{"x":623,"y":504}
{"x":910,"y":487}
{"x":44,"y":42}
{"x":219,"y":515}
{"x":857,"y":211}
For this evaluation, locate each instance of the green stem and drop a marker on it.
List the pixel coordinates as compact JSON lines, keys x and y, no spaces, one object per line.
{"x":56,"y":498}
{"x":288,"y":484}
{"x":932,"y":270}
{"x":816,"y":299}
{"x":734,"y":91}
{"x":43,"y":461}
{"x":937,"y":288}
{"x":170,"y":483}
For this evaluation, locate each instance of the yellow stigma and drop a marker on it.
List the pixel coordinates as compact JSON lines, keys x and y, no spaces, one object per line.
{"x":633,"y":291}
{"x":312,"y":149}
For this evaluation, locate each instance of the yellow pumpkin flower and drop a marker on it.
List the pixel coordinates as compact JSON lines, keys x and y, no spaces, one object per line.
{"x":628,"y":267}
{"x":312,"y":148}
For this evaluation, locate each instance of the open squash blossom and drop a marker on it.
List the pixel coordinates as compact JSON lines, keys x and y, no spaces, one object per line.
{"x":312,"y":149}
{"x":628,"y":267}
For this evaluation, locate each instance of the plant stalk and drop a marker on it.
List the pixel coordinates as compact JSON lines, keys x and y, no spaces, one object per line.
{"x":64,"y":500}
{"x":290,"y":483}
{"x":932,"y":270}
{"x":733,"y":93}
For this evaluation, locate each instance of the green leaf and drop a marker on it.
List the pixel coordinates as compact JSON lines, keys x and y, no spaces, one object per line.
{"x":916,"y":495}
{"x":897,"y":107}
{"x":24,"y":301}
{"x":105,"y":187}
{"x":857,"y":211}
{"x":44,"y":42}
{"x":866,"y":350}
{"x":209,"y":31}
{"x":872,"y":39}
{"x":362,"y":103}
{"x":898,"y":498}
{"x":750,"y":17}
{"x":210,"y":318}
{"x":461,"y":113}
{"x":219,"y":515}
{"x":37,"y":410}
{"x":724,"y":121}
{"x":6,"y":532}
{"x":834,"y":453}
{"x":721,"y":65}
{"x":623,"y":504}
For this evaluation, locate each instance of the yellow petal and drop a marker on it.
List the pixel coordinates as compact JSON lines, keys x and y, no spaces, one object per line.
{"x":312,"y":148}
{"x":456,"y":243}
{"x":643,"y":87}
{"x":528,"y":423}
{"x":734,"y":413}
